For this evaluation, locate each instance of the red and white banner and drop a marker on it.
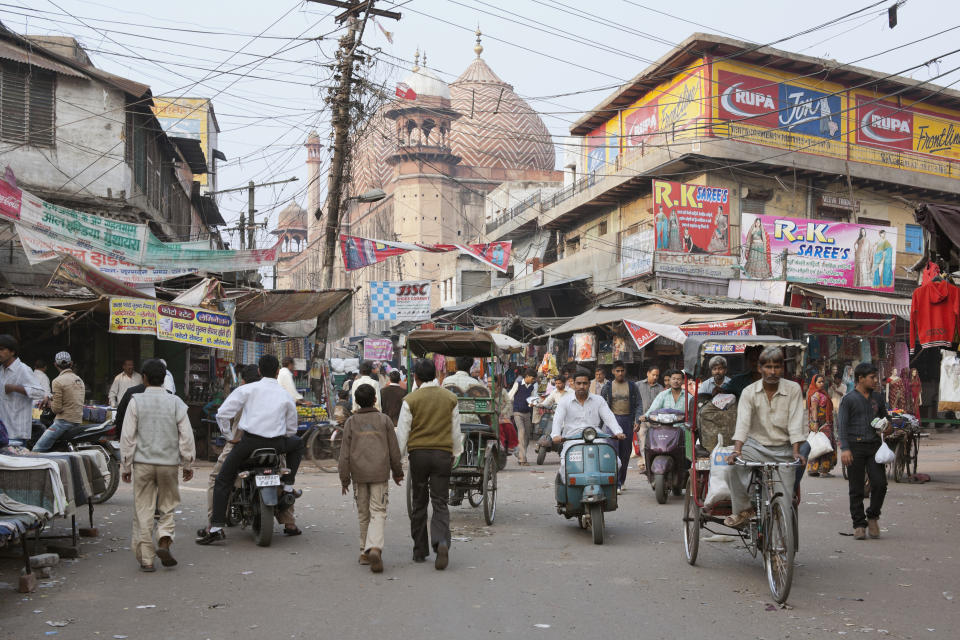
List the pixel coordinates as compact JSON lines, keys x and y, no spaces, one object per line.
{"x":405,"y":91}
{"x":643,"y":333}
{"x":363,"y":252}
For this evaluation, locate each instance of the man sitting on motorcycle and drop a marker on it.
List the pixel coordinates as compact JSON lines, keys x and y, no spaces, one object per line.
{"x":770,"y":428}
{"x":268,"y":420}
{"x":579,"y":411}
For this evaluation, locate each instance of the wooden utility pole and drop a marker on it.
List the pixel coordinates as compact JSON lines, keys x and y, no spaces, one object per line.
{"x":341,"y":121}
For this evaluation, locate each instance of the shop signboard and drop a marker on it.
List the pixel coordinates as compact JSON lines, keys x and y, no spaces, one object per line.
{"x":835,"y":254}
{"x":636,"y":254}
{"x":696,"y":264}
{"x":406,"y":300}
{"x":377,"y":349}
{"x":738,"y":327}
{"x":193,"y":325}
{"x":691,"y":219}
{"x":133,"y":315}
{"x":186,"y":118}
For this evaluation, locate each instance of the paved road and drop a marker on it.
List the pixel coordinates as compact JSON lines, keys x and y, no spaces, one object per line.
{"x":531,"y":569}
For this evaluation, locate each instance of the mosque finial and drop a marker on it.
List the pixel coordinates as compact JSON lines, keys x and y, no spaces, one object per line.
{"x":478,"y":48}
{"x":424,"y":58}
{"x":416,"y":60}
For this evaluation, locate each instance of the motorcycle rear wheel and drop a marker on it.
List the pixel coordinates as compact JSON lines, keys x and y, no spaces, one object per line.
{"x":660,"y":488}
{"x":262,"y":522}
{"x":114,"y":467}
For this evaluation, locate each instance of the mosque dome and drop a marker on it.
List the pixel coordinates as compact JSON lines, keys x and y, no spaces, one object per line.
{"x":292,"y":218}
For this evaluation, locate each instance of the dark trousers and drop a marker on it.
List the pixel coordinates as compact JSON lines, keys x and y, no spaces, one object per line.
{"x":291,"y":446}
{"x":624,"y":447}
{"x":430,"y":475}
{"x":865,"y":464}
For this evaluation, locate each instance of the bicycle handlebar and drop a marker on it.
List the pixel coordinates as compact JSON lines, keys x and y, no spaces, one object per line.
{"x":744,"y":463}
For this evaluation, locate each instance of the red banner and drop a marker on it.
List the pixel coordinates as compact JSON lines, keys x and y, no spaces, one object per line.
{"x":641,"y":337}
{"x":405,"y":91}
{"x":740,"y":327}
{"x":363,"y":252}
{"x":10,"y":200}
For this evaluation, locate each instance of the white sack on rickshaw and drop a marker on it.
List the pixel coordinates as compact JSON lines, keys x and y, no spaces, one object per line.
{"x":718,"y":489}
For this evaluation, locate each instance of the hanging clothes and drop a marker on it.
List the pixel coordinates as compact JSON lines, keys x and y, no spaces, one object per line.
{"x":916,"y":391}
{"x":897,"y":393}
{"x":901,"y":357}
{"x":949,"y":399}
{"x":865,"y":355}
{"x":934,"y":315}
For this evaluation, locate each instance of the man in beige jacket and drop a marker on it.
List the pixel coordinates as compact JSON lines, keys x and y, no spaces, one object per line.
{"x":155,"y":441}
{"x":66,"y":403}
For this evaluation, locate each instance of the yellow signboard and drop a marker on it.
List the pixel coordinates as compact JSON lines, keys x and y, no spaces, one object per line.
{"x":191,"y":325}
{"x":186,"y":118}
{"x":133,"y":315}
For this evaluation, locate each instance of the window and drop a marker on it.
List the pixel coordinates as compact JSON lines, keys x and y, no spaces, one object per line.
{"x":833,"y":215}
{"x":26,"y":105}
{"x":602,"y":228}
{"x":913,"y":239}
{"x":752,"y":205}
{"x":874,"y":221}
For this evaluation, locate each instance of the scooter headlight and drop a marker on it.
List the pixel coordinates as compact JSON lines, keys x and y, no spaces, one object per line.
{"x":589,"y":434}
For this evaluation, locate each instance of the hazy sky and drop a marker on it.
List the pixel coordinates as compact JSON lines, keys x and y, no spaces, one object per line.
{"x":267,"y":79}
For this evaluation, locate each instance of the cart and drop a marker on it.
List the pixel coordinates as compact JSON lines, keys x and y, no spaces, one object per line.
{"x":773,"y":532}
{"x":474,"y":473}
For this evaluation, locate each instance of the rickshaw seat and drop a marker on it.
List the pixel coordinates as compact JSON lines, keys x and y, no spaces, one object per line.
{"x":475,"y":426}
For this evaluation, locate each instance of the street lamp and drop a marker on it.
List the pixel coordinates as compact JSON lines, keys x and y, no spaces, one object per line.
{"x":373,"y":195}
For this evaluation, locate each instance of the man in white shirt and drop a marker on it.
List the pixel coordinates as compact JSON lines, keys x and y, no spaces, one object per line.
{"x":269,"y":420}
{"x":285,"y":380}
{"x":43,"y":380}
{"x":366,"y":377}
{"x":18,"y":391}
{"x":576,"y":413}
{"x":125,"y":379}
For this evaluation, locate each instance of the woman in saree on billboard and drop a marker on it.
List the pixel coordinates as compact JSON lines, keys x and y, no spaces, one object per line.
{"x":757,"y":252}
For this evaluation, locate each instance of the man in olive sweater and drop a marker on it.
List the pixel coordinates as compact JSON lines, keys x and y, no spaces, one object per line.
{"x":429,"y":428}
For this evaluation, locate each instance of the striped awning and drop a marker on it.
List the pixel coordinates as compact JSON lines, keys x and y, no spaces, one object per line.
{"x":860,"y":302}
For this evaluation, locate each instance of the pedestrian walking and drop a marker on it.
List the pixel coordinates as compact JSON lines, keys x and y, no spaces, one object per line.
{"x":523,"y":389}
{"x":156,"y":440}
{"x":18,"y":391}
{"x":820,"y":409}
{"x":391,"y":396}
{"x":429,"y":428}
{"x":369,"y":455}
{"x":623,"y":398}
{"x":649,"y":388}
{"x":859,"y":441}
{"x":366,"y":377}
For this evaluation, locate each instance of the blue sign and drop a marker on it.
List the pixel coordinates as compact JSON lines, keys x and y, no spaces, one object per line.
{"x":913,"y":239}
{"x":809,"y":112}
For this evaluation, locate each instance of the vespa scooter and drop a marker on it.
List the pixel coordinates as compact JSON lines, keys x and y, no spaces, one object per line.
{"x":588,"y":486}
{"x":663,"y":453}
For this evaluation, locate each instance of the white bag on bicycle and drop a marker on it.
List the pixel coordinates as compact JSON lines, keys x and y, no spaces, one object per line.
{"x":884,"y":454}
{"x":718,"y":489}
{"x":819,"y":444}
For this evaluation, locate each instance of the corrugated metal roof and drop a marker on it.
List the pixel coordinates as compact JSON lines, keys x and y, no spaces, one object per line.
{"x":192,"y":152}
{"x":681,"y":299}
{"x":473,"y":302}
{"x":860,"y":301}
{"x":10,"y":51}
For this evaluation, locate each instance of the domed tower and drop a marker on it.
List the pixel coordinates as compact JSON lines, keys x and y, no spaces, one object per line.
{"x":498,"y":128}
{"x":314,"y":183}
{"x":291,"y":228}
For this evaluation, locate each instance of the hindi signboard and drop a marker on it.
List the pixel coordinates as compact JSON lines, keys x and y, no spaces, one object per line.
{"x":196,"y":326}
{"x":691,"y":218}
{"x":377,"y":349}
{"x":133,"y":315}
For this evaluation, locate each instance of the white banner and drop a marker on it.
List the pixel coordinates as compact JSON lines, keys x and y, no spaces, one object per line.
{"x":408,"y":300}
{"x":636,"y":254}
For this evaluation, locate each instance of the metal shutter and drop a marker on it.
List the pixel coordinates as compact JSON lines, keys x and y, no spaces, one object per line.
{"x":13,"y":99}
{"x":41,"y":109}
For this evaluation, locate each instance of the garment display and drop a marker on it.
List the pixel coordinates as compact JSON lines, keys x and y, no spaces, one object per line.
{"x":901,"y":357}
{"x":934,"y":315}
{"x":949,"y":381}
{"x":865,"y":355}
{"x":916,"y":391}
{"x":897,"y":393}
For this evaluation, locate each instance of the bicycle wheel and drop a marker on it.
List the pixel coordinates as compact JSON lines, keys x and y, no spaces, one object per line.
{"x":912,"y":463}
{"x":901,"y":457}
{"x":778,"y":549}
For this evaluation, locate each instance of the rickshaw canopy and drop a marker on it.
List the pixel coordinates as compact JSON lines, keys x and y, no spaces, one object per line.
{"x":695,"y":346}
{"x":476,"y":343}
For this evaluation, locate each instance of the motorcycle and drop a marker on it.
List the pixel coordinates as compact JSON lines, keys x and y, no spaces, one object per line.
{"x":588,"y":487}
{"x":663,"y":454}
{"x":256,"y":496}
{"x":91,"y":436}
{"x":545,"y":443}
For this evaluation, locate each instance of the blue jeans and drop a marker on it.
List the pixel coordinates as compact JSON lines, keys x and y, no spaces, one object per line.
{"x":52,"y":434}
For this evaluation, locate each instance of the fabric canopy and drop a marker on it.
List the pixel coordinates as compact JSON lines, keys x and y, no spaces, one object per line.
{"x":942,"y":221}
{"x":288,"y":306}
{"x":474,"y":343}
{"x":652,"y":313}
{"x":861,"y":302}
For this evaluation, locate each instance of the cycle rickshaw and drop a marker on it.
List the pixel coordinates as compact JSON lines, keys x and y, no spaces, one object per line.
{"x":474,"y":474}
{"x":773,"y":531}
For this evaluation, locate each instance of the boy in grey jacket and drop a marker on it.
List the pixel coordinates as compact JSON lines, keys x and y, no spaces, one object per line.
{"x":368,"y":454}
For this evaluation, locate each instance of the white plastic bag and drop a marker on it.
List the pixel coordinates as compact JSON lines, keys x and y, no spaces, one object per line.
{"x":819,"y":444}
{"x":885,"y":454}
{"x":718,"y":489}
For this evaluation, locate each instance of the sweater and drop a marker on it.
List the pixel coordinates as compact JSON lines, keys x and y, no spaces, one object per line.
{"x":934,"y":315}
{"x":521,"y":392}
{"x":391,"y":397}
{"x":431,"y":410}
{"x":156,"y":430}
{"x":369,"y":451}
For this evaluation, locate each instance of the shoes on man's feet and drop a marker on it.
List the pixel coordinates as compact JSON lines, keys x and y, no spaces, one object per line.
{"x":418,"y":558}
{"x":737,"y":521}
{"x":163,"y":552}
{"x":211,"y":537}
{"x":873,"y":527}
{"x":364,"y":558}
{"x":147,"y":568}
{"x":443,"y":556}
{"x":376,"y":560}
{"x":202,"y":531}
{"x":296,"y":493}
{"x":813,"y":474}
{"x":859,"y":533}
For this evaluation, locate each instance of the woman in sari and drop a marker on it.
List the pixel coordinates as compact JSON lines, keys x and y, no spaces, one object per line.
{"x":820,"y":408}
{"x":915,"y":387}
{"x":883,"y":263}
{"x":757,"y":250}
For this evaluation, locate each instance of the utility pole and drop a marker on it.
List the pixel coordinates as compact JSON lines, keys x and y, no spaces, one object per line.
{"x":341,"y":120}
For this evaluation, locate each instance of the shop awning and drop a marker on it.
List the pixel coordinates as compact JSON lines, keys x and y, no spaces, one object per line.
{"x":653,"y":313}
{"x":858,"y":301}
{"x":29,"y":305}
{"x":288,"y":306}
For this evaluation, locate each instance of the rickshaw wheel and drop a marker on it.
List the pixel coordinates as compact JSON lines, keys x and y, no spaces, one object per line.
{"x":490,"y":489}
{"x":596,"y":522}
{"x":691,"y":524}
{"x":475,"y":497}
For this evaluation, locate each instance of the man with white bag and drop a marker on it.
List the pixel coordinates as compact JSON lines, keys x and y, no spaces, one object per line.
{"x":859,"y":440}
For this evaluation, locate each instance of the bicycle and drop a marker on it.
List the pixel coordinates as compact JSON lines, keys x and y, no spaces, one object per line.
{"x":322,"y":445}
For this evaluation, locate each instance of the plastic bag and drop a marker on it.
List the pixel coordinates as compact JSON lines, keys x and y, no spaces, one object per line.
{"x":819,"y":444}
{"x":718,"y":489}
{"x":884,"y":454}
